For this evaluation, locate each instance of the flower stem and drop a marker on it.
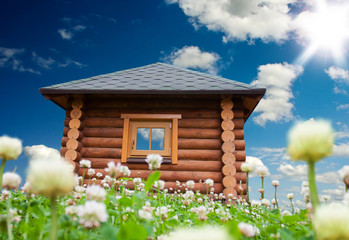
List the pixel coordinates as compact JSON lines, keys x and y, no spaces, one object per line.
{"x":54,"y":220}
{"x":248,"y":192}
{"x":2,"y":167}
{"x":8,"y":219}
{"x":262,"y":194}
{"x":276,"y":200}
{"x":312,"y":185}
{"x":292,"y":206}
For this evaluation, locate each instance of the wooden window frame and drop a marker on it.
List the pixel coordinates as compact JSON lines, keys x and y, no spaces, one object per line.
{"x":153,"y":119}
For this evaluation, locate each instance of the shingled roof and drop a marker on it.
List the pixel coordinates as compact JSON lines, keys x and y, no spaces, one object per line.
{"x":157,"y":78}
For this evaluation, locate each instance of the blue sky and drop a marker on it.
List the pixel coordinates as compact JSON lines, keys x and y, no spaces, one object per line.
{"x":259,"y":42}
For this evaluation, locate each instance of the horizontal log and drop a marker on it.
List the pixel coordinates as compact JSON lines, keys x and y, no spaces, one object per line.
{"x":227,"y":114}
{"x":184,"y":143}
{"x":186,"y":113}
{"x":181,"y":176}
{"x":228,"y":147}
{"x":74,"y":144}
{"x":228,"y":158}
{"x":238,"y":123}
{"x":240,"y":176}
{"x":101,"y":152}
{"x":238,"y":112}
{"x":199,"y":154}
{"x":228,"y":136}
{"x":229,"y":191}
{"x":229,"y":169}
{"x":240,"y":155}
{"x":151,"y":103}
{"x":199,"y":123}
{"x":239,"y":133}
{"x":229,"y":181}
{"x":73,"y":133}
{"x":203,"y":188}
{"x":199,"y":133}
{"x":227,"y":103}
{"x":183,"y":165}
{"x":77,"y":113}
{"x":239,"y":144}
{"x":238,"y":165}
{"x":103,"y":132}
{"x":227,"y":124}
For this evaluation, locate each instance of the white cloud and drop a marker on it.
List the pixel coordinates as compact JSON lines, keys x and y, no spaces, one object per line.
{"x":255,"y":162}
{"x":68,"y":34}
{"x":341,"y":77}
{"x":278,"y":79}
{"x":42,"y":62}
{"x":65,"y":34}
{"x":328,"y":177}
{"x":272,"y":155}
{"x":70,"y":62}
{"x":193,"y":57}
{"x":341,"y":150}
{"x":240,"y":19}
{"x":9,"y":57}
{"x":335,"y":194}
{"x":343,"y":106}
{"x":41,"y":152}
{"x":338,"y":74}
{"x":292,"y":171}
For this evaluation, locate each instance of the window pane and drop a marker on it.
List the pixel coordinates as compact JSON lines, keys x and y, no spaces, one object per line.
{"x":143,"y":138}
{"x":157,"y":138}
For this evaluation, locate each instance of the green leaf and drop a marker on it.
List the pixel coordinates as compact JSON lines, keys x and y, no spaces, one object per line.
{"x":125,"y":202}
{"x":108,"y":232}
{"x":151,"y":180}
{"x":132,"y":231}
{"x":286,"y":234}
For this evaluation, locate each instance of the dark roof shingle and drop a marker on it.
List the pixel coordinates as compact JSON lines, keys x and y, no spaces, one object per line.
{"x":157,"y":78}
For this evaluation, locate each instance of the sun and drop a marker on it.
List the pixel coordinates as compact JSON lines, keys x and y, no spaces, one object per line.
{"x":326,"y":29}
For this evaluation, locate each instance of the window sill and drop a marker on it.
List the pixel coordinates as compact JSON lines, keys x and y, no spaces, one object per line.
{"x":142,"y":160}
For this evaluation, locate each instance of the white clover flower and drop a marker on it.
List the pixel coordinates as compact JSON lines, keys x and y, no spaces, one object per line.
{"x":85,"y":163}
{"x":95,"y":192}
{"x":160,"y":184}
{"x":125,"y":171}
{"x":27,"y":188}
{"x":290,"y":196}
{"x":297,"y":210}
{"x":209,"y":182}
{"x":346,"y":199}
{"x":137,"y":180}
{"x":92,"y":213}
{"x":255,"y":203}
{"x":72,"y":211}
{"x":248,"y":230}
{"x":190,"y":184}
{"x":265,"y":202}
{"x":202,"y":212}
{"x":246,"y":167}
{"x":51,"y":178}
{"x":161,"y":212}
{"x":145,"y":214}
{"x":11,"y":180}
{"x":113,"y":170}
{"x":273,"y":201}
{"x":286,"y":213}
{"x":154,"y":161}
{"x":203,"y":233}
{"x":91,"y":172}
{"x":326,"y":197}
{"x":41,"y":152}
{"x":331,"y":222}
{"x":344,"y":173}
{"x":311,"y":140}
{"x":275,"y":183}
{"x":99,"y":174}
{"x":10,"y":148}
{"x":262,"y":171}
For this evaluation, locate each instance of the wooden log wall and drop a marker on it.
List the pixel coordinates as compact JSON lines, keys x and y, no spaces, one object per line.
{"x":72,"y":135}
{"x":199,"y":136}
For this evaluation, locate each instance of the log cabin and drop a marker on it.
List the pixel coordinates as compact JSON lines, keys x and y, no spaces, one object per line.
{"x":194,"y":120}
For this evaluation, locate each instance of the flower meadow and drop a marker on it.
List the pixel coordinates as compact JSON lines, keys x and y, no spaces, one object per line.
{"x":54,"y":203}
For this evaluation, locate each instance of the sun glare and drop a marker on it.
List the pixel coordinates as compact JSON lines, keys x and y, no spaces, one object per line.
{"x":326,"y":30}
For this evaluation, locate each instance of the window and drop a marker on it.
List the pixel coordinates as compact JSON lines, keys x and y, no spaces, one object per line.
{"x":150,"y":133}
